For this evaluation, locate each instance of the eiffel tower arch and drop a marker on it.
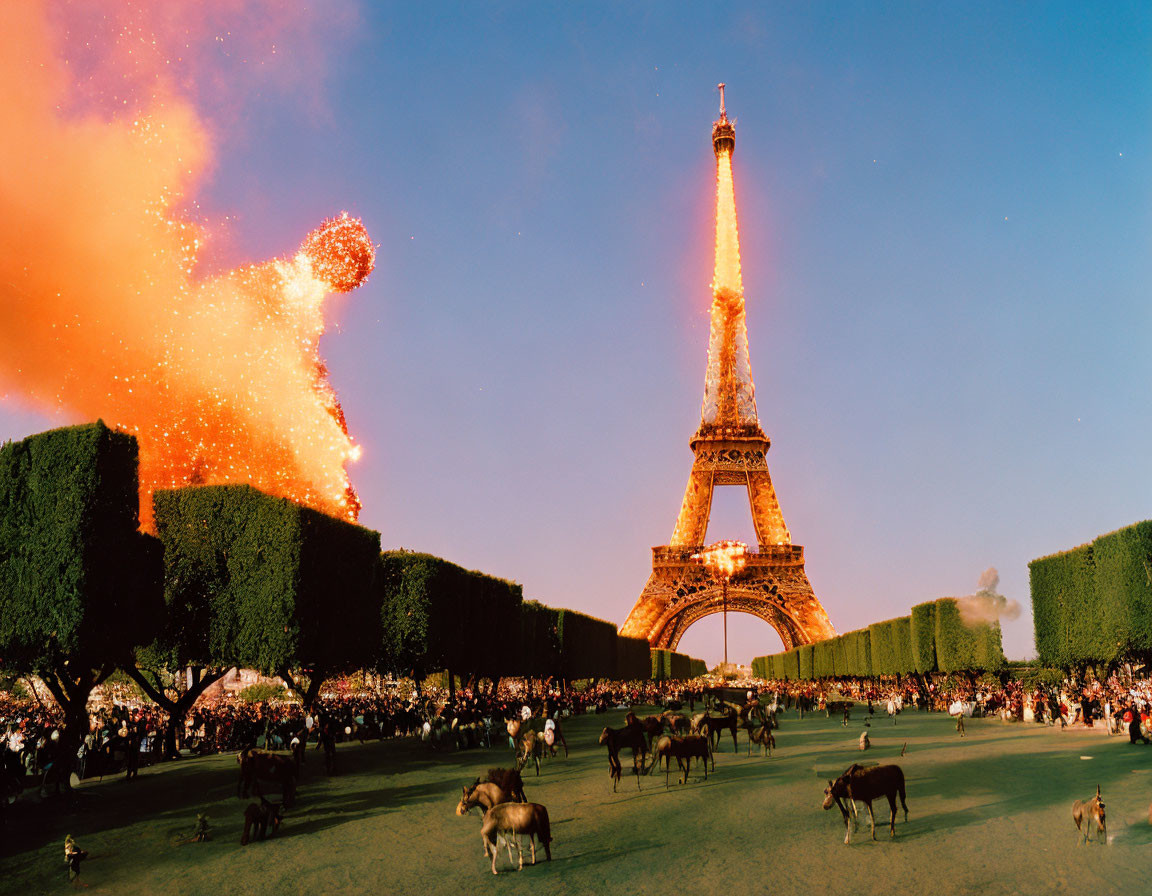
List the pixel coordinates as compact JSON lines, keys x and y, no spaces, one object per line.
{"x":730,"y":450}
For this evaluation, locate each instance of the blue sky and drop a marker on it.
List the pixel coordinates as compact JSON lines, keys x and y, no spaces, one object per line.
{"x":945,"y":223}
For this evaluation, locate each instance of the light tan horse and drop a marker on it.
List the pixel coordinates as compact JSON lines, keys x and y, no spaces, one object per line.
{"x":1089,"y":814}
{"x":510,"y":820}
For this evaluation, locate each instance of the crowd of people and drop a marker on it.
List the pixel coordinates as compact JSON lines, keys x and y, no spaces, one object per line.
{"x":126,"y":731}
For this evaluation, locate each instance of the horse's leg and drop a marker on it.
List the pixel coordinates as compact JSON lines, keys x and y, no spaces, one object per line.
{"x":519,"y":853}
{"x":847,"y":827}
{"x":892,"y":806}
{"x":532,"y":840}
{"x":871,"y":818}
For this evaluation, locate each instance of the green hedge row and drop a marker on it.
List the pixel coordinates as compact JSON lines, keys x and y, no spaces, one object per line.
{"x":932,"y":638}
{"x":1093,"y":604}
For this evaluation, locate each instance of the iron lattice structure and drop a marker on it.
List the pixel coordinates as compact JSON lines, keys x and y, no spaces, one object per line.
{"x":730,"y":450}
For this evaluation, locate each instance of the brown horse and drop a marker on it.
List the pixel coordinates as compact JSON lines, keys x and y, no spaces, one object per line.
{"x":676,"y":722}
{"x":1090,"y":814}
{"x":866,"y":784}
{"x":486,"y":795}
{"x":509,"y":780}
{"x":512,"y":819}
{"x":259,"y":816}
{"x":652,"y":726}
{"x":715,"y":726}
{"x":260,"y":765}
{"x":531,"y":749}
{"x":684,"y":750}
{"x":617,"y":739}
{"x":762,"y":736}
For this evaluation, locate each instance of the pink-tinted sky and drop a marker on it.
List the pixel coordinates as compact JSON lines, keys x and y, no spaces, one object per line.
{"x":945,"y":220}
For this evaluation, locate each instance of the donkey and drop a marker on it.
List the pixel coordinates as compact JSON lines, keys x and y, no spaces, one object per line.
{"x":1090,"y":814}
{"x":866,"y":784}
{"x":509,"y":780}
{"x":510,"y":820}
{"x":531,"y":749}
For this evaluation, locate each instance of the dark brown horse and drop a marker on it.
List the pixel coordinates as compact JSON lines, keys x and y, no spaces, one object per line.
{"x":509,"y":780}
{"x":260,"y":765}
{"x":762,"y":735}
{"x":715,"y":726}
{"x":531,"y":749}
{"x":653,"y":726}
{"x":684,"y":750}
{"x":867,"y":784}
{"x":617,"y":739}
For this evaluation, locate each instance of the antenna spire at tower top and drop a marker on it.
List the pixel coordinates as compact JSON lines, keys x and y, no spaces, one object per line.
{"x":723,"y":130}
{"x":723,"y":114}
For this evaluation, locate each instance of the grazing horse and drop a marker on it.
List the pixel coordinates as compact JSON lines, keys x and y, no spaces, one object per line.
{"x":484,"y":794}
{"x":510,"y":820}
{"x":531,"y":749}
{"x":866,"y":784}
{"x":716,"y":725}
{"x":259,"y":765}
{"x":762,"y":736}
{"x":1090,"y":814}
{"x":509,"y":780}
{"x":616,"y":739}
{"x":259,"y":816}
{"x":684,"y":749}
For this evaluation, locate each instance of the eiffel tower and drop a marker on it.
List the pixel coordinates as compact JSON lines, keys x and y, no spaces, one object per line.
{"x":730,"y":449}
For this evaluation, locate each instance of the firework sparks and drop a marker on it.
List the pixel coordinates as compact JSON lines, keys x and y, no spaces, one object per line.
{"x":103,"y":311}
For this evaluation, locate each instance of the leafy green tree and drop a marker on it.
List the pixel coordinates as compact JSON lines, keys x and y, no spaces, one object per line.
{"x":261,"y":582}
{"x":79,"y":585}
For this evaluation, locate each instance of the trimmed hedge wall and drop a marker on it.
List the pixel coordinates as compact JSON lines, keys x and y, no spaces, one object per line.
{"x":922,"y":632}
{"x":1123,"y":588}
{"x":902,"y":644}
{"x":1067,"y":616}
{"x":78,"y":583}
{"x":805,"y":657}
{"x":633,"y":661}
{"x":697,"y":668}
{"x":823,"y":660}
{"x":273,"y":585}
{"x":587,"y":646}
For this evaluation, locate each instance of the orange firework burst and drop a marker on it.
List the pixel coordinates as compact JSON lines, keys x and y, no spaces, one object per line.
{"x":341,"y":253}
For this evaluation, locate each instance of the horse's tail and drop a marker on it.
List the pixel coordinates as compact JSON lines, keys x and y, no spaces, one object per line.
{"x":543,"y":828}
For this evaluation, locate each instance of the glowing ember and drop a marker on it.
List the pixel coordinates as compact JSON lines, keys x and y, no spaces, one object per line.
{"x":341,"y":253}
{"x":725,"y":558}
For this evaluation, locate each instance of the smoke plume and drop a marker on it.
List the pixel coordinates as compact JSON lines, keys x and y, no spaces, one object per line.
{"x":987,"y":605}
{"x":103,"y":310}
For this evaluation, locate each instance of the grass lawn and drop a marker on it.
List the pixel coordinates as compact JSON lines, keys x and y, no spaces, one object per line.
{"x":989,"y":814}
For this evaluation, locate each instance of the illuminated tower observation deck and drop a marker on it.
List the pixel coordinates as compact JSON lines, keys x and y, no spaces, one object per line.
{"x":730,"y":449}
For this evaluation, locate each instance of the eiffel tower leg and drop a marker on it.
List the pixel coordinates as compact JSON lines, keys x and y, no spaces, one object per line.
{"x":766,"y":515}
{"x":692,"y":524}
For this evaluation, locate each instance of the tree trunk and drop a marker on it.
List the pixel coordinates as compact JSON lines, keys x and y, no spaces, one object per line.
{"x":451,"y":686}
{"x":177,"y":710}
{"x":71,"y":694}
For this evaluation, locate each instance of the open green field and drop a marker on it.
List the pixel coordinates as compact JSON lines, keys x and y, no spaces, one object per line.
{"x":988,"y":814}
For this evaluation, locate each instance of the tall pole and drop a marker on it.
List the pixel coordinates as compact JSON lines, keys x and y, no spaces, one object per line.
{"x":724,"y":591}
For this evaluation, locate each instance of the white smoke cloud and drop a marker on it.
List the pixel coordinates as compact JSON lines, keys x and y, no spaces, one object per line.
{"x":987,"y":605}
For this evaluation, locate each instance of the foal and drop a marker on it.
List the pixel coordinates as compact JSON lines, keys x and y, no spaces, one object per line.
{"x":1090,"y":813}
{"x":511,"y":819}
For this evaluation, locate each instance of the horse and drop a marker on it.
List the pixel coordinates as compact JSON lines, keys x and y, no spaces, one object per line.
{"x":677,"y":722}
{"x":866,"y":784}
{"x":259,"y":765}
{"x":698,"y":721}
{"x":684,"y":749}
{"x":616,"y":739}
{"x":652,"y":726}
{"x":762,"y":736}
{"x":259,"y":816}
{"x":484,"y":794}
{"x":531,"y":748}
{"x":511,"y":820}
{"x":716,"y":725}
{"x":509,"y":780}
{"x":1090,"y":813}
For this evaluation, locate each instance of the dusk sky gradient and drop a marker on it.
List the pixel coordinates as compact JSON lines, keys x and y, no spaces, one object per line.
{"x":946,"y":223}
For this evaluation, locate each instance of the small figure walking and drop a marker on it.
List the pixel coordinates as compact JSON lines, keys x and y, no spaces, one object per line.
{"x":960,"y":723}
{"x":73,"y":856}
{"x":201,"y":834}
